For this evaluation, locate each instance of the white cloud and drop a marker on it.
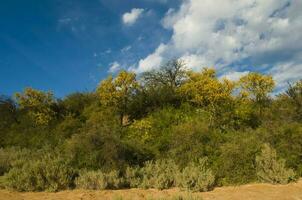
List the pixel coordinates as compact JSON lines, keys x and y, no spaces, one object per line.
{"x":285,"y":73}
{"x":152,"y":61}
{"x":114,"y":67}
{"x":126,"y":48}
{"x":131,"y":17}
{"x":223,"y":33}
{"x":234,"y":76}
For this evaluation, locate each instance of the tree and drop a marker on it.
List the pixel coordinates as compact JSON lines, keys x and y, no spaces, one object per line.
{"x":257,"y":87}
{"x":160,"y":85}
{"x":172,"y":74}
{"x":37,"y":104}
{"x":205,"y":90}
{"x":294,"y":93}
{"x":76,"y":103}
{"x":8,"y":111}
{"x":118,"y":92}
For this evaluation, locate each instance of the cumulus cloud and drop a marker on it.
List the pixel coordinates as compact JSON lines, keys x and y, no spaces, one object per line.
{"x":114,"y":67}
{"x":152,"y":61}
{"x":131,"y":17}
{"x":226,"y":33}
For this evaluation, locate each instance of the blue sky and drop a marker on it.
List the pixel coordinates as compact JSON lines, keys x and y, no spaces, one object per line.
{"x":68,"y":46}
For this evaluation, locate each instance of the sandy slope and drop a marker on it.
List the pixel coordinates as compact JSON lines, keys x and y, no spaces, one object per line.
{"x":246,"y":192}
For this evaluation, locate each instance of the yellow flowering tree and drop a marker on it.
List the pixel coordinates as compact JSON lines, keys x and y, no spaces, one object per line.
{"x":117,"y":92}
{"x":37,"y":104}
{"x":206,"y":90}
{"x":256,"y":87}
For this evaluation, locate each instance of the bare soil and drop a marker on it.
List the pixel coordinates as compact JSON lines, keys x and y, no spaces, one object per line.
{"x":291,"y":191}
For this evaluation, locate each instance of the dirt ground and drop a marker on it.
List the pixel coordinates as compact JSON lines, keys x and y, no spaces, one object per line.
{"x":245,"y":192}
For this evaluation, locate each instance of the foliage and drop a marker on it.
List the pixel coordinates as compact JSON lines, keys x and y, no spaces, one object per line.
{"x":159,"y":174}
{"x":117,"y":92}
{"x":204,"y":89}
{"x":37,"y":104}
{"x":272,"y":170}
{"x":49,"y":173}
{"x":257,"y":87}
{"x":150,"y":130}
{"x":97,"y":180}
{"x":236,"y":163}
{"x":294,"y":93}
{"x":9,"y":156}
{"x":196,"y":176}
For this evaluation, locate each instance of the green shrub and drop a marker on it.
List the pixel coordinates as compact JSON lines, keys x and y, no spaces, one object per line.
{"x":236,"y":161}
{"x":91,"y":180}
{"x":2,"y":185}
{"x":196,"y":177}
{"x":270,"y":169}
{"x":159,"y":174}
{"x":133,"y":177}
{"x":97,"y":180}
{"x":8,"y":156}
{"x":49,"y":173}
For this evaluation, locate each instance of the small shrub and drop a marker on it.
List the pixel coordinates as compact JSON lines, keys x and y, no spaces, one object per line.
{"x":2,"y":186}
{"x":114,"y":180}
{"x":8,"y":156}
{"x":48,"y":173}
{"x":133,"y":177}
{"x":270,"y":169}
{"x":97,"y":180}
{"x":91,"y":180}
{"x":196,"y":177}
{"x":159,"y":174}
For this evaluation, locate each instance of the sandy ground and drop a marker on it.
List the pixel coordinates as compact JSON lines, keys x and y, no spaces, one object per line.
{"x":245,"y":192}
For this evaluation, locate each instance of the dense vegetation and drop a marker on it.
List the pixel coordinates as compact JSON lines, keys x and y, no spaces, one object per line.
{"x":169,"y":127}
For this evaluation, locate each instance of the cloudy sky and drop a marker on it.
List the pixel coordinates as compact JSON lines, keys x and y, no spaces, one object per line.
{"x":70,"y":45}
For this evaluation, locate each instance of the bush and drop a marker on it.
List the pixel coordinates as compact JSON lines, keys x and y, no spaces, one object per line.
{"x":49,"y":173}
{"x":97,"y":180}
{"x":159,"y":174}
{"x":91,"y":180}
{"x":236,"y":162}
{"x":271,"y":170}
{"x":8,"y":156}
{"x":196,"y":177}
{"x":133,"y":177}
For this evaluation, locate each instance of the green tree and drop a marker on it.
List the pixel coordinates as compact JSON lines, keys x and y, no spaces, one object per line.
{"x":294,"y":93}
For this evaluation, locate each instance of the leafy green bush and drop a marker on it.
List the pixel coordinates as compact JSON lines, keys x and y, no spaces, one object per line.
{"x":196,"y":177}
{"x":236,"y":161}
{"x":97,"y":180}
{"x":270,"y":169}
{"x":49,"y":173}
